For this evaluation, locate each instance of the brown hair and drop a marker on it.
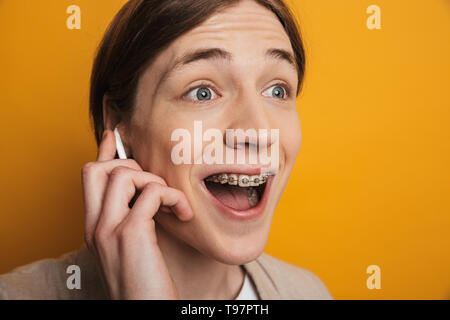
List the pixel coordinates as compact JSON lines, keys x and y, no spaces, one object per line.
{"x":144,"y":28}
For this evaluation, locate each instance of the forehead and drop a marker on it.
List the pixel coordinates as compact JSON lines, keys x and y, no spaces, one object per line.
{"x":245,"y":18}
{"x":246,"y":29}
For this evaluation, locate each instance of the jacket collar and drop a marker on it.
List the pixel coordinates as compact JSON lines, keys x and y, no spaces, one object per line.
{"x":264,"y":284}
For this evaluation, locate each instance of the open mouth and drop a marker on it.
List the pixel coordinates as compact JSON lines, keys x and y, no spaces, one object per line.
{"x":238,"y":191}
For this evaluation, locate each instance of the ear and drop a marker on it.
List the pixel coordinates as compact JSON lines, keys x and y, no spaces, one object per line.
{"x":111,"y":119}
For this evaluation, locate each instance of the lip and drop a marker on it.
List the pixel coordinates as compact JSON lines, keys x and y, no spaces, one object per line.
{"x":235,"y":214}
{"x":242,"y":169}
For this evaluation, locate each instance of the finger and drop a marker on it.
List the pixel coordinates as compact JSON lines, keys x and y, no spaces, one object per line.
{"x":107,"y":148}
{"x":95,"y":179}
{"x":153,"y":197}
{"x":123,"y":183}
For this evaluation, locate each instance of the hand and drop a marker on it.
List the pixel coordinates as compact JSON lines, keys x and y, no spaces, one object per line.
{"x":122,"y":238}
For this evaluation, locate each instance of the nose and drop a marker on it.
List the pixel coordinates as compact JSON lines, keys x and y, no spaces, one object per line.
{"x":249,"y":120}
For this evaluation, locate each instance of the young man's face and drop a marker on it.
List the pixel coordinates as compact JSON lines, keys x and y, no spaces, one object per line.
{"x":242,"y":80}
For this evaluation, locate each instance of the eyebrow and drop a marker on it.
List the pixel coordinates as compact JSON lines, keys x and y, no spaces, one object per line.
{"x":221,"y":54}
{"x":283,"y":55}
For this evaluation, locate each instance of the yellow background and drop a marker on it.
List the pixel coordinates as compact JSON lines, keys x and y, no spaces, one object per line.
{"x":371,"y":184}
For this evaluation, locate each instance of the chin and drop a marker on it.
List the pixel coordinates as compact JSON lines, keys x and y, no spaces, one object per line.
{"x":238,"y":251}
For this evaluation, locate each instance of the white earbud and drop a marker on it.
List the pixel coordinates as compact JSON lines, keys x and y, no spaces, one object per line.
{"x":119,"y":145}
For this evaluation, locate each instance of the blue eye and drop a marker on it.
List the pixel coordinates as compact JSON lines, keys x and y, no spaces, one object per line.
{"x":275,"y":92}
{"x":201,"y":94}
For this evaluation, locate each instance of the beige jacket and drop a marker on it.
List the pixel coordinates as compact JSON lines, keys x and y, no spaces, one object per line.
{"x":46,"y":279}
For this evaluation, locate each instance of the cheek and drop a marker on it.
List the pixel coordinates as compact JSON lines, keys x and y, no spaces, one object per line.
{"x":159,"y":158}
{"x":291,"y":137}
{"x":152,"y":146}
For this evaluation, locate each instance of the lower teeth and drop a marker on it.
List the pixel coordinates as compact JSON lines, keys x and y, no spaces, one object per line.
{"x":253,"y":197}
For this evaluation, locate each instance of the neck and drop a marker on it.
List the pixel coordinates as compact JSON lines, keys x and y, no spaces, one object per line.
{"x":196,"y":276}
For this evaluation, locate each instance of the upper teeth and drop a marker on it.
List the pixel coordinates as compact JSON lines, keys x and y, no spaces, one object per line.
{"x":242,"y":180}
